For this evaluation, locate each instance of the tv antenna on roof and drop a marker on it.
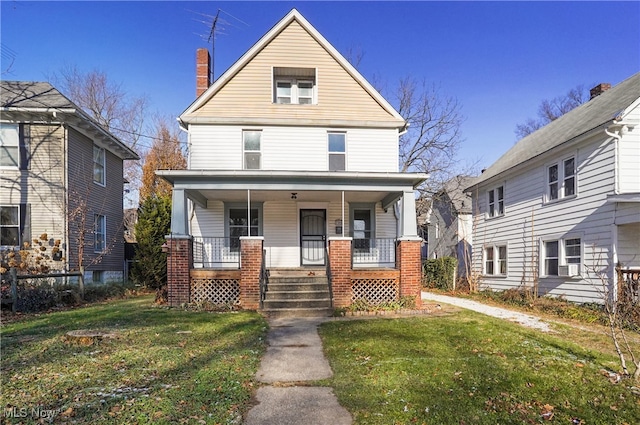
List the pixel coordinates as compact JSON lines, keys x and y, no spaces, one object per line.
{"x":217,"y":26}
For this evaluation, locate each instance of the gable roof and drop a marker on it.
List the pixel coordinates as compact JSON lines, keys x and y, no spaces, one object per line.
{"x":292,"y":16}
{"x":41,"y":98}
{"x":453,"y":188}
{"x":608,"y":108}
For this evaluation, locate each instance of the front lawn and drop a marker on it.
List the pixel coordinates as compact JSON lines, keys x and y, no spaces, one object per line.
{"x":467,"y":368}
{"x":164,"y":366}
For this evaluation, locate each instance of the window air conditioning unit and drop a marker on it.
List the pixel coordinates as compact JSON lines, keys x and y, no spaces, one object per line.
{"x":569,"y":270}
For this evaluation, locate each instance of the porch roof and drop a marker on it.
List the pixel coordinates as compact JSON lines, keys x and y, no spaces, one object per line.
{"x":201,"y":185}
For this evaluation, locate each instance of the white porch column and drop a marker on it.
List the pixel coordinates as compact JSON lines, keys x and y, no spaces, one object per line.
{"x":408,"y":221}
{"x":179,"y":213}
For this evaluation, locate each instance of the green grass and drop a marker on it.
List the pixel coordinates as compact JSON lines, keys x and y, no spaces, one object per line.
{"x":467,"y":368}
{"x":165,"y":366}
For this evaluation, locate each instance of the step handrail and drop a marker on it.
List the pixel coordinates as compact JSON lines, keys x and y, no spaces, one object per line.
{"x":329,"y":283}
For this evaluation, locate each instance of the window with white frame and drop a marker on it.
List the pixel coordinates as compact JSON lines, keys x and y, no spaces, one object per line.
{"x":495,"y":202}
{"x":495,"y":260}
{"x":99,"y":165}
{"x":558,"y":253}
{"x":240,"y":223}
{"x":9,"y":225}
{"x":561,"y":179}
{"x":294,"y":85}
{"x":337,"y":151}
{"x":9,"y":145}
{"x":251,"y":148}
{"x":100,"y":233}
{"x":362,"y":226}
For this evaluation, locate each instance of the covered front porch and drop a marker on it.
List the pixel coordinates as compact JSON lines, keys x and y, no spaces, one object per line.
{"x":232,"y":229}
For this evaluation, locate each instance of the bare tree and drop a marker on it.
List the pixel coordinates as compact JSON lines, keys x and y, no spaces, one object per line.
{"x":550,"y":110}
{"x":110,"y":105}
{"x":432,"y":140}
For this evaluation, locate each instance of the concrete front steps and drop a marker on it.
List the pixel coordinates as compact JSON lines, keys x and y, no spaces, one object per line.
{"x":300,"y":292}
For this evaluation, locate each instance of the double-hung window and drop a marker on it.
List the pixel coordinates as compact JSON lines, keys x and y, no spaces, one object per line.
{"x":495,"y":202}
{"x":241,"y":222}
{"x":251,"y":148}
{"x":99,"y":165}
{"x":294,"y":85}
{"x":337,"y":151}
{"x":9,"y":145}
{"x":561,"y":179}
{"x":562,"y":257}
{"x":100,"y":233}
{"x":9,"y":226}
{"x":495,"y":260}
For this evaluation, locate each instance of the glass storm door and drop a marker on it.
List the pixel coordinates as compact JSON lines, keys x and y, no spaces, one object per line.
{"x":312,"y":237}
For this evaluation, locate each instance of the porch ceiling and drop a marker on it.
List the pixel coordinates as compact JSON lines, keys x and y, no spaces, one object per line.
{"x":287,"y":195}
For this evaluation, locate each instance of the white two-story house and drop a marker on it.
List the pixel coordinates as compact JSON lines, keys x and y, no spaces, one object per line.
{"x":560,"y":210}
{"x":294,"y":155}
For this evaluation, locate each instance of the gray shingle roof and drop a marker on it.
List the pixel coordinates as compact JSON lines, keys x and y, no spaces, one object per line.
{"x":41,"y":97}
{"x":588,"y":116}
{"x":32,"y":95}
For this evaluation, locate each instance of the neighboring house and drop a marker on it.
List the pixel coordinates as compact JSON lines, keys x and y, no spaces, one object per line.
{"x":294,"y":156}
{"x":60,"y":175}
{"x":564,"y":202}
{"x":450,"y":223}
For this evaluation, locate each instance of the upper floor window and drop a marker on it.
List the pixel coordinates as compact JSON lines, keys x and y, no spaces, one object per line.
{"x":337,"y":151}
{"x":251,"y":149}
{"x":9,"y":145}
{"x":294,"y":85}
{"x":99,"y":165}
{"x":100,"y":233}
{"x":495,"y":202}
{"x":9,"y":226}
{"x":561,"y":179}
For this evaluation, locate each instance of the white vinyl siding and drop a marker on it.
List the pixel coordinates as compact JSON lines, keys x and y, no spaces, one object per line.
{"x":292,"y":148}
{"x":531,"y":220}
{"x":629,"y":156}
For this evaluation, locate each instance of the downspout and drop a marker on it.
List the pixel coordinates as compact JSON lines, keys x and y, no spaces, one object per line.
{"x":65,"y":206}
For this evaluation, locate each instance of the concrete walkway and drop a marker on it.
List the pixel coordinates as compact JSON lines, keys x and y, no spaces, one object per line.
{"x":501,"y":313}
{"x":294,"y":356}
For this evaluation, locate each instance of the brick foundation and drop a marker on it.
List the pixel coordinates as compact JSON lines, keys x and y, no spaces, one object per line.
{"x":409,"y":264}
{"x":251,"y":263}
{"x":179,"y":263}
{"x":340,"y":258}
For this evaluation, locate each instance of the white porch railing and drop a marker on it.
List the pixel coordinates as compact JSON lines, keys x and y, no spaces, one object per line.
{"x":378,"y":252}
{"x":216,"y":252}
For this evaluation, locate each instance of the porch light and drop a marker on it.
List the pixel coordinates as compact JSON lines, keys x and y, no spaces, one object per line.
{"x":338,"y":226}
{"x":294,"y":195}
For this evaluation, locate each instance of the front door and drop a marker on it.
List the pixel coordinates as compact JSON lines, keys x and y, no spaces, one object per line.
{"x":313,"y":235}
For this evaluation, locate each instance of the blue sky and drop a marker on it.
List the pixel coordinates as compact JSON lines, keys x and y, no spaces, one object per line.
{"x":499,"y":59}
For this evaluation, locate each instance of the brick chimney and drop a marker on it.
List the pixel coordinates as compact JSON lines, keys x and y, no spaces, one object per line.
{"x":203,"y":76}
{"x":598,"y":90}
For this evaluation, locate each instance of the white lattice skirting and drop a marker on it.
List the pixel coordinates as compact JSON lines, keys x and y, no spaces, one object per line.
{"x":375,"y":291}
{"x":215,"y":291}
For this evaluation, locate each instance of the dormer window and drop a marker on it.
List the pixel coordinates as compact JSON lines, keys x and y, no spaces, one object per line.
{"x":294,"y":86}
